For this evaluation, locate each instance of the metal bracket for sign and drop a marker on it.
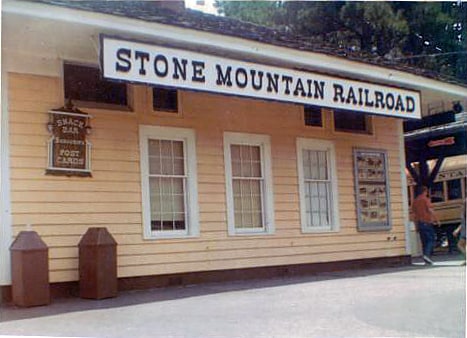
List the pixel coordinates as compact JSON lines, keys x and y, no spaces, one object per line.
{"x":68,"y":142}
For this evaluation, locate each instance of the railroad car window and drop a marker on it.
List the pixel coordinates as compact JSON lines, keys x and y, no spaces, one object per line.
{"x":437,"y":194}
{"x":454,"y":189}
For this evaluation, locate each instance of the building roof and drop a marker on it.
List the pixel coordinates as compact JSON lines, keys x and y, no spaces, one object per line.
{"x":151,"y":11}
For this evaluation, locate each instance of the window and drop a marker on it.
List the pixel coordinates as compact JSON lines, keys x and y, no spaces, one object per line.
{"x":164,"y":99}
{"x":454,"y":189}
{"x":352,"y":122}
{"x":437,"y":192}
{"x":248,"y":183}
{"x":318,"y":185}
{"x":84,"y":84}
{"x":313,"y":116}
{"x":168,"y":170}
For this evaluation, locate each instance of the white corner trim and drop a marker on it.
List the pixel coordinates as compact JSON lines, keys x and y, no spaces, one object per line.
{"x":405,"y":197}
{"x":189,"y":138}
{"x":264,"y":142}
{"x":324,"y":145}
{"x":5,"y":202}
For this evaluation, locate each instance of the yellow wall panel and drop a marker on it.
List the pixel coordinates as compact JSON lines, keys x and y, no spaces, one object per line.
{"x":61,"y":208}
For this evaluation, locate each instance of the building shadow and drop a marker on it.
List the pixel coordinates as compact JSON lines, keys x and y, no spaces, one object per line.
{"x":9,"y":312}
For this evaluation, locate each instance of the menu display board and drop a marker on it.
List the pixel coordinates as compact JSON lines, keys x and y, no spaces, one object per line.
{"x":372,"y":189}
{"x":69,"y":151}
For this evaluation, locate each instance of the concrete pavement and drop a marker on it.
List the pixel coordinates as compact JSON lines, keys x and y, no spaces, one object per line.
{"x":414,"y":301}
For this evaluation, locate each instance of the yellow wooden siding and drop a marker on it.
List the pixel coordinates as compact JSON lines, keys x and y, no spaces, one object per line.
{"x":61,"y":209}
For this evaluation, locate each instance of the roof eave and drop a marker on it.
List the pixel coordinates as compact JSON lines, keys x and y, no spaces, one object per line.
{"x":313,"y":61}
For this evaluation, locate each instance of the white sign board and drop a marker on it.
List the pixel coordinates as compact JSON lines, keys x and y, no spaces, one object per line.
{"x":150,"y":64}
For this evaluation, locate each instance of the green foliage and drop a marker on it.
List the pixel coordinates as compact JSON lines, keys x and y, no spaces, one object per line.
{"x":417,"y":33}
{"x":258,"y":12}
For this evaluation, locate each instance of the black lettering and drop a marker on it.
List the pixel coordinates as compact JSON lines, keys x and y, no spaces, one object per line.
{"x":379,"y":99}
{"x":360,"y":94}
{"x":223,"y":79}
{"x":309,"y":83}
{"x":143,"y":56}
{"x":338,"y":93}
{"x":241,"y":83}
{"x":287,"y":79}
{"x":368,"y":103}
{"x":351,"y":96}
{"x":123,"y":55}
{"x":179,"y":67}
{"x":299,"y":89}
{"x":198,"y":67}
{"x":253,"y":76}
{"x":161,"y":60}
{"x":400,"y":104}
{"x":319,"y":89}
{"x":410,"y":104}
{"x":390,"y":101}
{"x":273,"y":83}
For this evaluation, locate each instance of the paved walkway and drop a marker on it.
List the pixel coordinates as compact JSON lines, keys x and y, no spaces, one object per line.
{"x":414,"y":301}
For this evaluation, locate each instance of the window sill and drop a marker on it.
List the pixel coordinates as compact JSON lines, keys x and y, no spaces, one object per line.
{"x":374,"y":228}
{"x":250,"y":233}
{"x":102,"y":106}
{"x":167,"y":113}
{"x":320,"y":230}
{"x":156,"y":237}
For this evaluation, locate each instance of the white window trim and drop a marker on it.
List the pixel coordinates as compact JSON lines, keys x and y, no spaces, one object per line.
{"x":320,"y":145}
{"x":176,"y":134}
{"x":264,"y":142}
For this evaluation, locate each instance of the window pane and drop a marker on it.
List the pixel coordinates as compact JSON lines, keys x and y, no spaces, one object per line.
{"x":436,"y":192}
{"x":166,"y":148}
{"x":179,"y":167}
{"x":154,"y":148}
{"x":246,"y":163}
{"x":323,"y":166}
{"x":164,"y":99}
{"x":454,"y":189}
{"x":317,"y":188}
{"x":247,"y":203}
{"x":155,"y":165}
{"x":167,"y":201}
{"x":313,"y":116}
{"x":314,"y":173}
{"x":350,"y":121}
{"x":177,"y":148}
{"x":84,"y":83}
{"x":245,"y":153}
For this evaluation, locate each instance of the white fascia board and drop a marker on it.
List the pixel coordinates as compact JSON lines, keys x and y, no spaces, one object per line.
{"x":311,"y":60}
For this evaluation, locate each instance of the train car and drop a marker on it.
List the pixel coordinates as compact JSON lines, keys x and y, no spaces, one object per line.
{"x":448,"y":196}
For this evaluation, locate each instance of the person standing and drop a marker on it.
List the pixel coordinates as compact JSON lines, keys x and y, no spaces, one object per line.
{"x":461,"y":230}
{"x":425,"y":219}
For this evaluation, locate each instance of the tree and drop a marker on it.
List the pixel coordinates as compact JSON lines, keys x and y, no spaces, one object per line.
{"x":378,"y":29}
{"x":437,"y":36}
{"x":429,"y":35}
{"x":259,"y":12}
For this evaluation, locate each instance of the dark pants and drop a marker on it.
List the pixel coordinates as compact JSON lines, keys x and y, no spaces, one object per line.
{"x":427,"y":236}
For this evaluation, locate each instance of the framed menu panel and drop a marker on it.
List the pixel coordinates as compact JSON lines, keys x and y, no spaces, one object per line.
{"x":372,"y":189}
{"x":69,"y":153}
